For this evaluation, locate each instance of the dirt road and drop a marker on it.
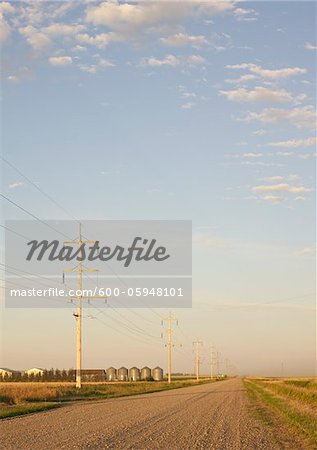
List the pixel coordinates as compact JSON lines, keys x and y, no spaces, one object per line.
{"x":210,"y":416}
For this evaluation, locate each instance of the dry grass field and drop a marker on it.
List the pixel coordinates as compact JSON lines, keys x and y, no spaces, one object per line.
{"x":286,"y":401}
{"x":23,"y":397}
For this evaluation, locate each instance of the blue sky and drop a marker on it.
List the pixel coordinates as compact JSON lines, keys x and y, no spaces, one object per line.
{"x":201,"y":111}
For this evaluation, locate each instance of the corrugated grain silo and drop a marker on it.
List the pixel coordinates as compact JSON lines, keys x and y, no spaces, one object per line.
{"x":123,"y":374}
{"x":111,"y":374}
{"x":157,"y":374}
{"x":134,"y":374}
{"x":146,"y":373}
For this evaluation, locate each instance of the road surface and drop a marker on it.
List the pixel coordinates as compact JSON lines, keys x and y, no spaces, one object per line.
{"x":209,"y":416}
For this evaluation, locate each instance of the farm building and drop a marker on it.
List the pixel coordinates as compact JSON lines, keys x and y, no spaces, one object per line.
{"x":93,"y":375}
{"x":4,"y":372}
{"x":35,"y":371}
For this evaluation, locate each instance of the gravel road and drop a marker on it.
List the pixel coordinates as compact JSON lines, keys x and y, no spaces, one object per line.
{"x":209,"y":416}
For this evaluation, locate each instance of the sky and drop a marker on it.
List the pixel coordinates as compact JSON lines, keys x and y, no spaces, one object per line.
{"x":202,"y":111}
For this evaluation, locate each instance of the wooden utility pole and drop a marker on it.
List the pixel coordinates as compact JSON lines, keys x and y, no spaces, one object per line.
{"x":169,"y":320}
{"x":211,"y":361}
{"x":197,"y":347}
{"x":217,"y":364}
{"x":80,"y":270}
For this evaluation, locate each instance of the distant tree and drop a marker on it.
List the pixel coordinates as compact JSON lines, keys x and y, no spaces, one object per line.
{"x":64,"y":375}
{"x":50,"y":375}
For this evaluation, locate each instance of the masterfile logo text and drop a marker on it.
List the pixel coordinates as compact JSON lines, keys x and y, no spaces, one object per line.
{"x":132,"y":263}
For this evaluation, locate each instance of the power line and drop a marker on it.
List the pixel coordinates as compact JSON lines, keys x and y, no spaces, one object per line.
{"x":33,"y":215}
{"x":38,"y":188}
{"x":64,"y":210}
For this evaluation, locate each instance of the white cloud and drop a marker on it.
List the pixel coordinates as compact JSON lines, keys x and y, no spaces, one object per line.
{"x":105,"y":63}
{"x":188,"y":105}
{"x":5,"y":29}
{"x":243,"y":79}
{"x":22,"y":73}
{"x":296,"y":155}
{"x":16,"y":185}
{"x":60,"y":60}
{"x":180,"y":39}
{"x":134,"y":17}
{"x":275,"y":199}
{"x":36,"y":38}
{"x":247,"y":15}
{"x":295,"y":143}
{"x":61,"y":29}
{"x":89,"y":68}
{"x":301,"y":117}
{"x":308,"y":251}
{"x":309,"y":46}
{"x":260,"y":163}
{"x":189,"y":95}
{"x":275,"y":178}
{"x":252,"y":155}
{"x":281,"y":187}
{"x":274,"y":74}
{"x":99,"y":40}
{"x":195,"y":60}
{"x":79,"y":49}
{"x":259,"y":132}
{"x":169,"y":60}
{"x":259,"y":94}
{"x":279,"y":178}
{"x":94,"y":68}
{"x":6,"y":7}
{"x":172,"y":60}
{"x":13,"y":78}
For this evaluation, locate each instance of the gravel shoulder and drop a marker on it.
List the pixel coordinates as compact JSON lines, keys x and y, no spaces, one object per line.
{"x":209,"y":416}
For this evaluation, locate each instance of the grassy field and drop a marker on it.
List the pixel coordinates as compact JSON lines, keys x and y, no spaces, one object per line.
{"x":23,"y":398}
{"x":286,"y":401}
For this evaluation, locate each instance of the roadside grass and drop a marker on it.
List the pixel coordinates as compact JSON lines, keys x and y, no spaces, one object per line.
{"x":300,"y":421}
{"x":258,"y":410}
{"x":22,"y":398}
{"x":296,"y":392}
{"x":308,"y":384}
{"x":25,"y":408}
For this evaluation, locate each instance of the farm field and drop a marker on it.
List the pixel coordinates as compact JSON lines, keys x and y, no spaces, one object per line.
{"x":17,"y":398}
{"x":286,"y":403}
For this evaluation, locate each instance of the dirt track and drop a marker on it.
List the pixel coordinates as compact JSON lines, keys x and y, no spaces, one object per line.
{"x":210,"y":416}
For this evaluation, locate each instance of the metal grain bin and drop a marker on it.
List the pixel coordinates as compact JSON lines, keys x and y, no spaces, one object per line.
{"x":157,"y":374}
{"x":111,"y":374}
{"x":134,"y":374}
{"x":146,"y":373}
{"x":123,"y":374}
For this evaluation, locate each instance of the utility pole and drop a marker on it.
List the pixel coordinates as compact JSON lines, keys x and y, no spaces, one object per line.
{"x":197,"y":347}
{"x":211,"y":362}
{"x":217,"y":364}
{"x":169,"y":320}
{"x":80,"y":270}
